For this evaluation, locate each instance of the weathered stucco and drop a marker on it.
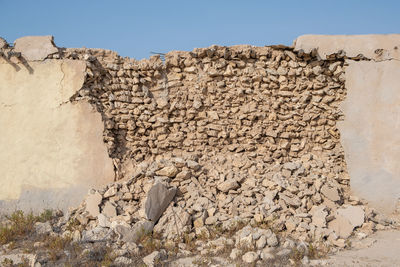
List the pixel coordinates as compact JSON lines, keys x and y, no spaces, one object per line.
{"x":369,"y":133}
{"x":52,"y":150}
{"x":373,"y":46}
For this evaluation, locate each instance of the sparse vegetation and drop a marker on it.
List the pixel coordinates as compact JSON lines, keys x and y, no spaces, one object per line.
{"x":19,"y":225}
{"x":55,"y":246}
{"x":108,"y":258}
{"x":73,"y":224}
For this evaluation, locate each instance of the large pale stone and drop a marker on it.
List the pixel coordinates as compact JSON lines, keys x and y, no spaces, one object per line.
{"x":341,"y":226}
{"x":319,"y":214}
{"x":331,"y":193}
{"x":173,"y":222}
{"x":132,"y":234}
{"x":109,"y":210}
{"x":92,"y":202}
{"x":52,"y":150}
{"x":35,"y":47}
{"x":354,"y":214}
{"x":158,"y":199}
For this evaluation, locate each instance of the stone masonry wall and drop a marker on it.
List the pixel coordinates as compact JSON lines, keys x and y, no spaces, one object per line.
{"x":221,"y":135}
{"x":264,"y":102}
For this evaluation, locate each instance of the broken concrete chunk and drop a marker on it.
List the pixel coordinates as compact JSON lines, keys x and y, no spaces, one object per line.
{"x":319,"y":214}
{"x":35,"y":47}
{"x":161,"y":102}
{"x":354,"y":214}
{"x":109,"y":210}
{"x":331,"y":193}
{"x":272,"y":241}
{"x":341,"y":226}
{"x":158,"y":199}
{"x":93,"y":201}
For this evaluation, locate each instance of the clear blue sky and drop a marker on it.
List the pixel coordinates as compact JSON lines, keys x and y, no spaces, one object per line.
{"x":134,"y":28}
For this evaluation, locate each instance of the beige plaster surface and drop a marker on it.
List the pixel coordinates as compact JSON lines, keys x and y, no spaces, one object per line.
{"x":370,"y":132}
{"x":52,"y":151}
{"x":373,"y":46}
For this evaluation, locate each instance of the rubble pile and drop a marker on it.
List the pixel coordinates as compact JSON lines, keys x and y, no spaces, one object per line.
{"x":178,"y":196}
{"x":218,"y":137}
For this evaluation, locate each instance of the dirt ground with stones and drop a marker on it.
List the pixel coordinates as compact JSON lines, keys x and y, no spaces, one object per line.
{"x":223,"y":156}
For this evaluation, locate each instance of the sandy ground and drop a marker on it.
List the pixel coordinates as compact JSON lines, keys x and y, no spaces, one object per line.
{"x":385,"y":251}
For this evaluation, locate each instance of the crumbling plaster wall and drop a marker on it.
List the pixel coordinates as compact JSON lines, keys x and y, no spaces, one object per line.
{"x":261,"y":105}
{"x":52,"y":150}
{"x":369,"y":132}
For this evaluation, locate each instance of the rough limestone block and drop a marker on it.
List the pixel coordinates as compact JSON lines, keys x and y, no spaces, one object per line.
{"x":158,"y":200}
{"x":132,"y":234}
{"x":35,"y":48}
{"x":92,"y":203}
{"x":341,"y":226}
{"x":109,"y":210}
{"x":355,"y":215}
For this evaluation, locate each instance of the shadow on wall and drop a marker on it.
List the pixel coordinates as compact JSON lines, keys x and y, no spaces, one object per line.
{"x":37,"y":199}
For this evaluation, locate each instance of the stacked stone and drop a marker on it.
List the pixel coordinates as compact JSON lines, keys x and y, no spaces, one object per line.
{"x":243,"y":134}
{"x":241,"y":99}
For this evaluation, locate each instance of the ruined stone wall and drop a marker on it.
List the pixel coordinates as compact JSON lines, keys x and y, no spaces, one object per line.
{"x":371,"y":111}
{"x":264,"y":102}
{"x":230,"y":132}
{"x":239,"y":131}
